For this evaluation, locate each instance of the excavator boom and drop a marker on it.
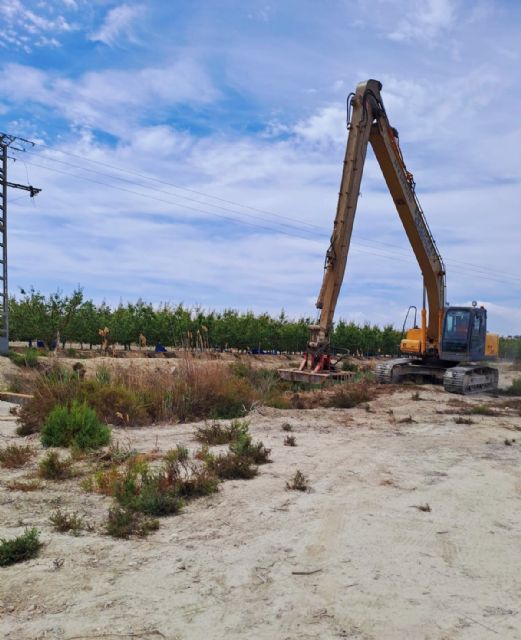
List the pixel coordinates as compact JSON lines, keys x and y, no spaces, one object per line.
{"x":369,"y":123}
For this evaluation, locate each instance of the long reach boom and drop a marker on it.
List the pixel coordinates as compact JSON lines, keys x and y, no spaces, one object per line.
{"x":447,"y":336}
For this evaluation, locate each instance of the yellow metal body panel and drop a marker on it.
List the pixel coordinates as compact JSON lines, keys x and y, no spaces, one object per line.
{"x":412,"y":343}
{"x":492,"y":345}
{"x":411,"y":346}
{"x":413,"y":334}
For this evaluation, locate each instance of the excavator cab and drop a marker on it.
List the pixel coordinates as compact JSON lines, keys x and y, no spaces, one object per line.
{"x":464,"y":334}
{"x":464,"y":337}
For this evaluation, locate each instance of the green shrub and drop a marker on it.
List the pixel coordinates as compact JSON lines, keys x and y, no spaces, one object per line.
{"x":244,"y":447}
{"x":179,"y":454}
{"x":64,"y":522}
{"x":14,"y":456}
{"x":103,"y":375}
{"x":53,"y":468}
{"x":216,"y":433}
{"x":163,"y":491}
{"x":514,"y":389}
{"x":230,"y":466}
{"x":19,"y":549}
{"x":123,"y":523}
{"x":481,"y":410}
{"x":28,"y":358}
{"x":77,"y":426}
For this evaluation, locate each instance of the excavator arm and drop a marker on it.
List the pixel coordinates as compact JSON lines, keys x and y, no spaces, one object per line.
{"x":369,"y":123}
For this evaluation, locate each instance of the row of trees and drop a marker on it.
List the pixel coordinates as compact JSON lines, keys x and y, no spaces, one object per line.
{"x":73,"y":319}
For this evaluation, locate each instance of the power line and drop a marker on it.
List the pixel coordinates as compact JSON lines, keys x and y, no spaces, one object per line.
{"x":360,"y":245}
{"x":485,"y":272}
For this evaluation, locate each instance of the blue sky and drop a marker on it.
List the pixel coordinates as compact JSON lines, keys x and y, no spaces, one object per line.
{"x":191,"y":151}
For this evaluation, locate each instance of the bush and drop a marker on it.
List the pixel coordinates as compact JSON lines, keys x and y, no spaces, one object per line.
{"x":230,"y":466}
{"x":216,"y":433}
{"x":53,"y":468}
{"x":514,"y":389}
{"x":244,"y":447}
{"x":161,"y":492}
{"x":14,"y":456}
{"x":77,"y":426}
{"x":17,"y":485}
{"x":19,"y":549}
{"x":122,"y":523}
{"x":28,"y":358}
{"x":349,"y":395}
{"x":64,"y":522}
{"x":298,"y":482}
{"x":290,"y":441}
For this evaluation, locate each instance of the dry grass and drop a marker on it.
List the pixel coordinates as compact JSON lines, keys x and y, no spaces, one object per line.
{"x":134,"y":397}
{"x":65,"y":522}
{"x":229,"y":466}
{"x":14,"y":456}
{"x":19,"y":485}
{"x":298,"y":482}
{"x":52,"y":467}
{"x":216,"y":433}
{"x":290,"y":441}
{"x":352,"y":394}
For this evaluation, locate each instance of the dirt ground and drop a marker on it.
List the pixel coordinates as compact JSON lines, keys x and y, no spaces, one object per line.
{"x":352,"y":558}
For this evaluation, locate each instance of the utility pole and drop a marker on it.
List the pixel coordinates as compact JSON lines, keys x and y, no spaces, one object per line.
{"x":16,"y":144}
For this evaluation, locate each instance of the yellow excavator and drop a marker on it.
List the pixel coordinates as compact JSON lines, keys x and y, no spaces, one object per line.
{"x":452,"y":343}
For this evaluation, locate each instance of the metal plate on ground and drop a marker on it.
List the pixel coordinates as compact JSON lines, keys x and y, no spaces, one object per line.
{"x":310,"y":377}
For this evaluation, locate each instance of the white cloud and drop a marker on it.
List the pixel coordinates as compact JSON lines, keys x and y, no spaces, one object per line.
{"x":119,"y":23}
{"x":25,"y":28}
{"x":113,"y":101}
{"x":424,"y":20}
{"x":325,"y":127}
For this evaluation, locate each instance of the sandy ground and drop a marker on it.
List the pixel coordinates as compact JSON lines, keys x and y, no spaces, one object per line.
{"x":351,"y":558}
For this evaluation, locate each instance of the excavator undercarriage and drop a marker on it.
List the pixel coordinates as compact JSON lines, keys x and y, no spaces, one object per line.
{"x":463,"y":379}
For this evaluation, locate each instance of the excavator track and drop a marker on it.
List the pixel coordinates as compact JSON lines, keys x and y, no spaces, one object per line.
{"x":470,"y":379}
{"x":463,"y":379}
{"x":387,"y":372}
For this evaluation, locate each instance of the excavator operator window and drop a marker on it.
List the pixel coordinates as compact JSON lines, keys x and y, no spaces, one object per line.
{"x":455,"y":336}
{"x":457,"y":325}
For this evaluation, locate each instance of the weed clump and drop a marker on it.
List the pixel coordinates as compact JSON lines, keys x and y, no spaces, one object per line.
{"x":290,"y":441}
{"x":64,"y":522}
{"x":155,"y":492}
{"x":244,"y":447}
{"x":514,"y":389}
{"x":123,"y":523}
{"x":52,"y":467}
{"x":462,"y":420}
{"x":215,"y":433}
{"x":15,"y":456}
{"x":18,"y":485}
{"x":287,"y":427}
{"x":480,"y":410}
{"x":77,"y":426}
{"x":19,"y":549}
{"x":28,"y":358}
{"x":229,"y":466}
{"x":298,"y":482}
{"x":350,"y":395}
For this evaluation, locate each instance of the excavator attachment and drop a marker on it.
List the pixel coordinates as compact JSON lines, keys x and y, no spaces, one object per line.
{"x":312,"y":377}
